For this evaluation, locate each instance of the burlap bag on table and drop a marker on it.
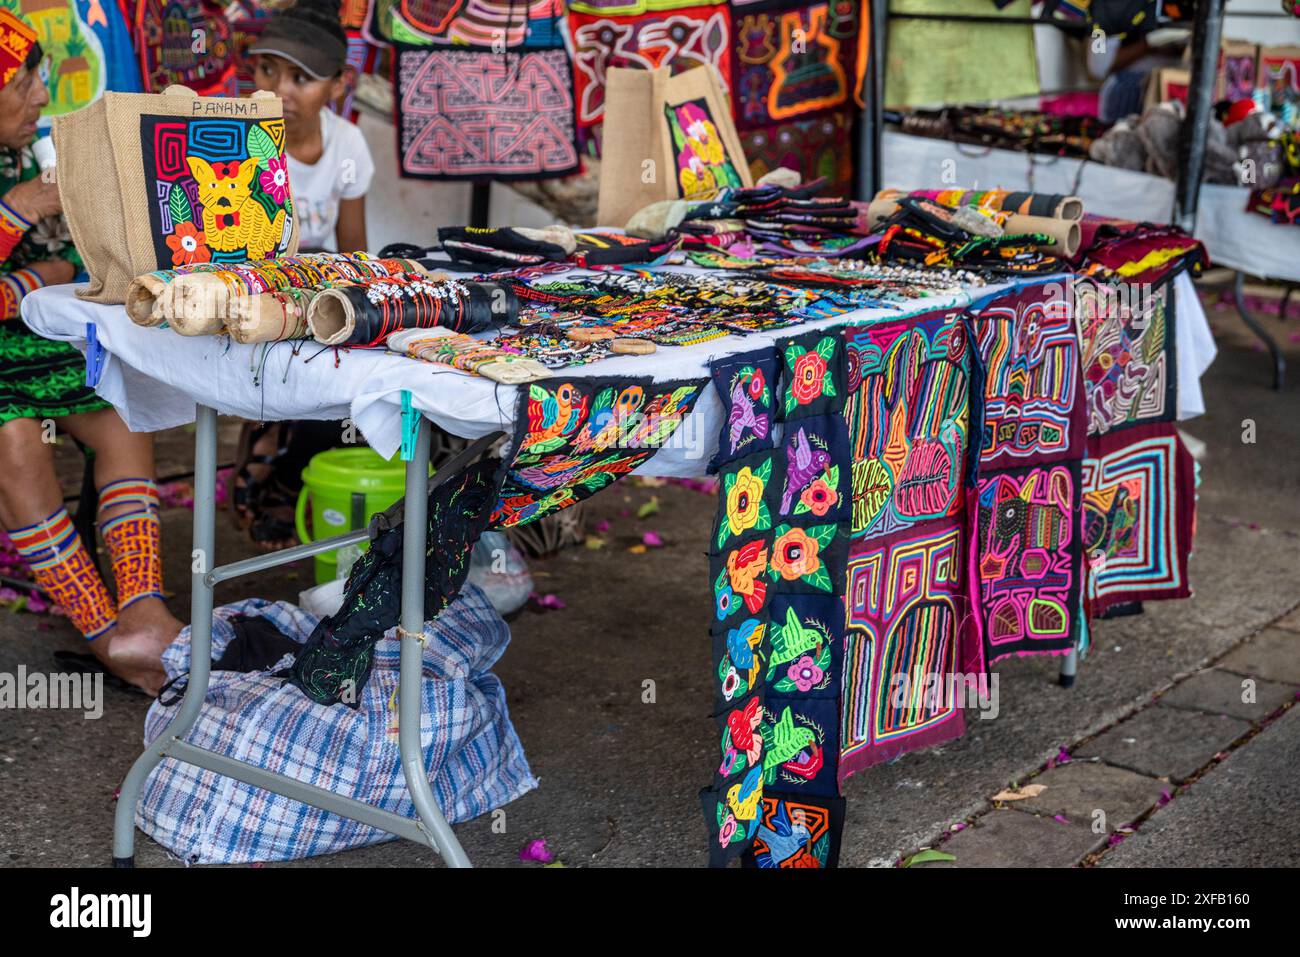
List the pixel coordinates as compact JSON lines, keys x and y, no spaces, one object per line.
{"x":102,"y":182}
{"x":638,"y":164}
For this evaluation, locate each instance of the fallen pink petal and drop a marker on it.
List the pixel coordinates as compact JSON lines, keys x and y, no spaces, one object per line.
{"x":652,"y":539}
{"x":536,"y":851}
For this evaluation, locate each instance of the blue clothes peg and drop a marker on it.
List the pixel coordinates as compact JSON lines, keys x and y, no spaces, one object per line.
{"x":96,"y":356}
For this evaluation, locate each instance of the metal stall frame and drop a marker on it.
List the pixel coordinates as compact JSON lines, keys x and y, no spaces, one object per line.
{"x":1207,"y":32}
{"x":430,"y":828}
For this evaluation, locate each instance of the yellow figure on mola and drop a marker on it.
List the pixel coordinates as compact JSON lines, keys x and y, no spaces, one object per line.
{"x":232,"y":218}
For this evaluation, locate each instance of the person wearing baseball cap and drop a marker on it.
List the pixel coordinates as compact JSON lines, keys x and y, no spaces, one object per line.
{"x":301,"y":56}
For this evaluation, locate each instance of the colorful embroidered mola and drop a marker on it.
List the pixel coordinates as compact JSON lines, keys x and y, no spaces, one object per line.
{"x":1030,"y":559}
{"x":909,"y":648}
{"x":1127,"y":331}
{"x":908,"y":411}
{"x":797,"y":832}
{"x":679,"y":39}
{"x":796,"y":62}
{"x":473,"y":113}
{"x":746,"y":385}
{"x":1139,"y":515}
{"x":575,"y":436}
{"x":1033,"y":397}
{"x":221,"y":189}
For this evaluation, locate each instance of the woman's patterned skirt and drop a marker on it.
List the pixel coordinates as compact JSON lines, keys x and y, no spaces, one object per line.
{"x":41,"y":378}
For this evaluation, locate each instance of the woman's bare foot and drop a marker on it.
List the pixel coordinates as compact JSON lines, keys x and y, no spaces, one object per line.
{"x":135,"y":646}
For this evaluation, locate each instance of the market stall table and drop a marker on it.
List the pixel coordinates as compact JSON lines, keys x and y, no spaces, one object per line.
{"x":158,"y":379}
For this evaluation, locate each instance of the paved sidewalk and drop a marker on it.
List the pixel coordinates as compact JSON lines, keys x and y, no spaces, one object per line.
{"x":1200,"y":777}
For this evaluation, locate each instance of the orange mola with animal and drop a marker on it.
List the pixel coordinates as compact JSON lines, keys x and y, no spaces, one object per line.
{"x":232,"y":218}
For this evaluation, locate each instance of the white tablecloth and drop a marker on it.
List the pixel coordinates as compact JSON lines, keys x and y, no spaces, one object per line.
{"x":155,"y":377}
{"x":1194,"y":347}
{"x":1235,"y":238}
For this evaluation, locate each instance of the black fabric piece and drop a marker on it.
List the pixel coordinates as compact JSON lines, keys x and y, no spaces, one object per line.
{"x":405,"y":251}
{"x":334,"y":664}
{"x":601,"y":249}
{"x":770,"y":199}
{"x":930,"y":217}
{"x":257,"y":645}
{"x":1121,"y":609}
{"x":1121,"y":16}
{"x":493,"y":246}
{"x":463,"y":268}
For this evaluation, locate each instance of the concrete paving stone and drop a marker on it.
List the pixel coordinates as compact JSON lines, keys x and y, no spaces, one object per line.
{"x":1290,"y":622}
{"x":1165,"y":742}
{"x":1242,"y":813}
{"x":1079,"y":789}
{"x":1273,"y":654}
{"x":1220,"y":692}
{"x":1252,"y":483}
{"x":1016,"y":839}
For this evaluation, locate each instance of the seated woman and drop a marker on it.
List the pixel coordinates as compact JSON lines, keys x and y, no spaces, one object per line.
{"x":301,"y":56}
{"x":42,"y":381}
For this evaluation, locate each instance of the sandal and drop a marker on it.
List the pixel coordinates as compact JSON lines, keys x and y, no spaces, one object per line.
{"x":85,"y":664}
{"x":264,"y":506}
{"x":272,"y":524}
{"x":244,"y":487}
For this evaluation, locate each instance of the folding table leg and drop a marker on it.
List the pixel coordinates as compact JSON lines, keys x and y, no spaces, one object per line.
{"x":202,"y":561}
{"x":1279,"y":362}
{"x":1069,"y":668}
{"x":409,"y":692}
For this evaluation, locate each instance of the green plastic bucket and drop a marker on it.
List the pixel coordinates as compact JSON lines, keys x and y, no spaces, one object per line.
{"x":343,"y":488}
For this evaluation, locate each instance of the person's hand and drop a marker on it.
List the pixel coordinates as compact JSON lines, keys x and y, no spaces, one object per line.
{"x":53,"y":272}
{"x":34,"y":199}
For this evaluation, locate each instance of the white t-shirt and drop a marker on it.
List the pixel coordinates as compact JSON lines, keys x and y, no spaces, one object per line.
{"x":343,"y":171}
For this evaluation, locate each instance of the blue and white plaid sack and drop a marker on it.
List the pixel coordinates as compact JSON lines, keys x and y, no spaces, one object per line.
{"x":476,"y":762}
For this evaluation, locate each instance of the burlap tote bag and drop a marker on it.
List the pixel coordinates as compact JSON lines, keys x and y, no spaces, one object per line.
{"x":159,"y":180}
{"x":666,"y":137}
